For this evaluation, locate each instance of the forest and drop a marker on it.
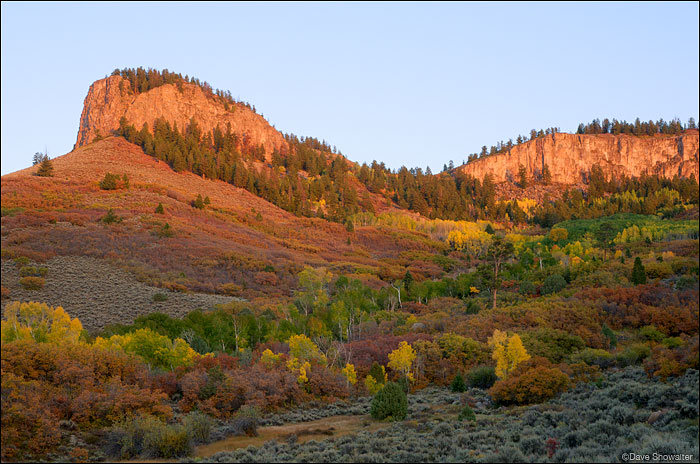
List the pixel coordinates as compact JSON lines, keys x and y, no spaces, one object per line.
{"x":312,"y":181}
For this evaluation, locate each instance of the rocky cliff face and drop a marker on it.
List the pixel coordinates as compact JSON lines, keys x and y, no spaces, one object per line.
{"x":111,"y":98}
{"x":570,"y":156}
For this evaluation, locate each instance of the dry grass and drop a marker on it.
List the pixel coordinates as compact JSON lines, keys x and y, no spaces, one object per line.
{"x":333,"y":426}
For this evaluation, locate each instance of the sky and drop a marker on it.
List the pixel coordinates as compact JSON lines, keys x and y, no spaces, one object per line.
{"x":414,"y":84}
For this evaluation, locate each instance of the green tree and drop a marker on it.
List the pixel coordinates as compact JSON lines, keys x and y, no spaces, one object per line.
{"x":639,"y":274}
{"x":522,"y":177}
{"x":160,"y":209}
{"x":498,"y":253}
{"x":45,"y":168}
{"x":389,"y":402}
{"x":553,"y":284}
{"x":458,"y":385}
{"x":109,"y":182}
{"x":604,"y":236}
{"x":198,"y":202}
{"x":546,"y":175}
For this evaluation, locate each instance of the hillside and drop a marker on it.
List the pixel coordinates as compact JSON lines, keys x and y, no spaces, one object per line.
{"x":168,"y":288}
{"x":239,"y":239}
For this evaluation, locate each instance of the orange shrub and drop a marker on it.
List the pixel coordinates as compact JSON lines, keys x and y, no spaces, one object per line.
{"x":532,"y":382}
{"x":32,"y":283}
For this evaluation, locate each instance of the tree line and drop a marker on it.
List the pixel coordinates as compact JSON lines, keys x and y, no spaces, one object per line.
{"x":310,"y":178}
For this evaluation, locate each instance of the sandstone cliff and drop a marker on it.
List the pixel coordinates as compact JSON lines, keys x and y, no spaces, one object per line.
{"x":570,"y":156}
{"x":111,"y":98}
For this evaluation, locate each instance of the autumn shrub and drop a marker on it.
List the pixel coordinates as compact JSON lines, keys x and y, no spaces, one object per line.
{"x":198,"y":426}
{"x":532,"y":382}
{"x":593,"y":357}
{"x":230,"y":289}
{"x":651,"y":333}
{"x":326,"y":383}
{"x":32,"y":283}
{"x":633,"y":354}
{"x":553,"y":344}
{"x":672,"y":360}
{"x":50,"y":382}
{"x":32,"y":271}
{"x":29,"y":430}
{"x":482,"y":377}
{"x":4,"y":291}
{"x":245,"y":422}
{"x":390,"y":402}
{"x":658,"y":270}
{"x":146,"y":436}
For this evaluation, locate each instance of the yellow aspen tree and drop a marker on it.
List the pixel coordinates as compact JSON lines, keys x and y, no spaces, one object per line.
{"x":515,"y":353}
{"x":508,"y":352}
{"x":301,"y":347}
{"x":498,"y":338}
{"x":402,"y":358}
{"x":269,"y":359}
{"x":499,"y":355}
{"x":40,"y":322}
{"x":350,"y":374}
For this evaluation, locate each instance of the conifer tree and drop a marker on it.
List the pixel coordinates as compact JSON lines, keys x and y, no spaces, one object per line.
{"x":45,"y":168}
{"x":546,"y":175}
{"x":639,"y":275}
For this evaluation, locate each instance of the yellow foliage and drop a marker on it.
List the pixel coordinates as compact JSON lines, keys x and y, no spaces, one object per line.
{"x":302,"y":348}
{"x":301,"y":351}
{"x":402,"y":358}
{"x":39,"y":322}
{"x":471,"y":240}
{"x":301,"y":369}
{"x":372,"y":385}
{"x":508,"y":352}
{"x":155,"y":349}
{"x":557,"y":234}
{"x":350,"y":374}
{"x":269,"y":359}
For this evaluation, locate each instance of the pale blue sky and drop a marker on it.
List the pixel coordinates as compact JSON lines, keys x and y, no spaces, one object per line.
{"x":412,"y":84}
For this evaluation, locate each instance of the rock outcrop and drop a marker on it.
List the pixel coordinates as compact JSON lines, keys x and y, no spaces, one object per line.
{"x":109,"y":99}
{"x":570,"y":157}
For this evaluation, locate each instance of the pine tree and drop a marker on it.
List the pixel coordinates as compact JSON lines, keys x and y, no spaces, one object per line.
{"x":458,"y":385}
{"x":546,"y":175}
{"x":198,"y":202}
{"x":46,"y":168}
{"x":522,"y":176}
{"x":639,"y":274}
